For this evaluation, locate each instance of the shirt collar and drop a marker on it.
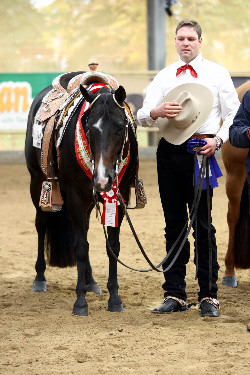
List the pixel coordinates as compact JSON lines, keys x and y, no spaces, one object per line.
{"x":195,"y":63}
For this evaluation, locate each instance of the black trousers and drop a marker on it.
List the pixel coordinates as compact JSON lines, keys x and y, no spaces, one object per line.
{"x":175,"y":179}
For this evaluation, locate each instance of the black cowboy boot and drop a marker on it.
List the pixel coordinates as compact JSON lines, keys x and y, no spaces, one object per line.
{"x":209,"y":307}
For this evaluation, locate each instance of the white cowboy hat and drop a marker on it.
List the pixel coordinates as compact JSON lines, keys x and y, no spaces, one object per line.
{"x":196,"y":101}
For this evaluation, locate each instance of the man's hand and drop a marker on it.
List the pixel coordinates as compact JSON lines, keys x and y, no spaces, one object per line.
{"x":168,"y":109}
{"x":210,"y":148}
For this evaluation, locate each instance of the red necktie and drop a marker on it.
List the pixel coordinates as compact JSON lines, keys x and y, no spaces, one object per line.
{"x":184,"y":67}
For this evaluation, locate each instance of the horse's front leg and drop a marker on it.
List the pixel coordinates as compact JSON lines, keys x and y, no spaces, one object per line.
{"x":92,"y":285}
{"x":78,"y":217}
{"x":114,"y":302}
{"x":232,"y":218}
{"x":39,"y":284}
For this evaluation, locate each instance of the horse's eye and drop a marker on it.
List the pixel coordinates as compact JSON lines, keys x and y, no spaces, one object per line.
{"x":120,"y":127}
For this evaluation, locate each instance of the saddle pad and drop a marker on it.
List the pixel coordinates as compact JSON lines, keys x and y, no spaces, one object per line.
{"x":65,"y":117}
{"x":52,"y":100}
{"x":65,"y":113}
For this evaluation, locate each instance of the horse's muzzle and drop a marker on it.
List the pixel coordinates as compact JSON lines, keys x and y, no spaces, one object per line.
{"x":101,"y":183}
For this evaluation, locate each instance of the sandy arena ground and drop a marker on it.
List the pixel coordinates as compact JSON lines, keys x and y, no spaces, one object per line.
{"x":39,"y":334}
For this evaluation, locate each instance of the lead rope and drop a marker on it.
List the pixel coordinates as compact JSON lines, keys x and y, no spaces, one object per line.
{"x":209,"y":229}
{"x":191,"y":218}
{"x":209,"y":226}
{"x":196,"y":224}
{"x":110,"y":249}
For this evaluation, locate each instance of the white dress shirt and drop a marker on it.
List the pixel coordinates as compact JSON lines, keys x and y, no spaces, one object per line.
{"x":211,"y":75}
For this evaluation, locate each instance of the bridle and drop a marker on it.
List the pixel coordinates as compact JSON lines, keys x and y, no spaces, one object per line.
{"x":124,"y":141}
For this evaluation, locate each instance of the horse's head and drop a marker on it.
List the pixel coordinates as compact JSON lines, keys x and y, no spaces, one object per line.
{"x":106,"y":131}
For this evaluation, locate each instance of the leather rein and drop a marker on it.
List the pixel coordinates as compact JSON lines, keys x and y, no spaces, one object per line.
{"x":187,"y":227}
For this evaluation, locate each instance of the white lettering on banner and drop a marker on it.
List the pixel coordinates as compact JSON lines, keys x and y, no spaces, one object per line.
{"x":15,"y":101}
{"x":110,"y":214}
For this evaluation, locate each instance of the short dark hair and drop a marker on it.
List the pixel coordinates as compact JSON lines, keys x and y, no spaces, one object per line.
{"x":189,"y":23}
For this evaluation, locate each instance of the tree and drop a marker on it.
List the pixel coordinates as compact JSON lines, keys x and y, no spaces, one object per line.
{"x":22,"y":43}
{"x":111,"y":31}
{"x":67,"y":35}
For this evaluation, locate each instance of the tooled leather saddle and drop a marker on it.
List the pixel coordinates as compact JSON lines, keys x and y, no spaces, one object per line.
{"x":61,"y":101}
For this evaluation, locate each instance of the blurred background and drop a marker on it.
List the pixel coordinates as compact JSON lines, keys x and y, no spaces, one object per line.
{"x":130,"y":40}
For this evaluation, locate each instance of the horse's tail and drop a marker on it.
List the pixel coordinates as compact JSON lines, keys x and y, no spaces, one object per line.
{"x":242,"y":233}
{"x":59,"y":242}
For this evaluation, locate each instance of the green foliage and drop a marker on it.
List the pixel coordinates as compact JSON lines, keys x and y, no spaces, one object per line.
{"x":21,"y":37}
{"x":109,"y":31}
{"x":67,"y":35}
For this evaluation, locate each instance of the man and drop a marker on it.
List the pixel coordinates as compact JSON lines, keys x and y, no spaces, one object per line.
{"x":239,"y":136}
{"x":239,"y":132}
{"x":175,"y":163}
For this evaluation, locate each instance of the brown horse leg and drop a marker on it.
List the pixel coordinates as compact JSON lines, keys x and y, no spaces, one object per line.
{"x":234,"y":185}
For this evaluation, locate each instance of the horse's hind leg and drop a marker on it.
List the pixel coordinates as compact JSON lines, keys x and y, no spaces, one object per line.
{"x":39,"y":284}
{"x":114,"y":303}
{"x":91,"y":284}
{"x":79,"y":218}
{"x":234,"y":185}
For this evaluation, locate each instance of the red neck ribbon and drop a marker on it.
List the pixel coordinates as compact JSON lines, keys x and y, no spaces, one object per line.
{"x":184,"y":67}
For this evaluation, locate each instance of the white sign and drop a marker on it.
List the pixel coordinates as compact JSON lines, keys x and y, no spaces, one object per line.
{"x":15,"y":101}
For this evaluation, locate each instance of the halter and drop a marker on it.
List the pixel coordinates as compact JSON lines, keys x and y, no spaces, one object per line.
{"x":123,"y":107}
{"x":124,"y":142}
{"x":97,"y":97}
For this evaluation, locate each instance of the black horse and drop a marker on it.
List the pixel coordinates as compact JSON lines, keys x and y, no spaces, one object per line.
{"x":63,"y":234}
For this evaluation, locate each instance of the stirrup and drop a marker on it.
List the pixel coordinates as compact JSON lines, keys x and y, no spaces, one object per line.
{"x":51,"y":199}
{"x":140,"y":195}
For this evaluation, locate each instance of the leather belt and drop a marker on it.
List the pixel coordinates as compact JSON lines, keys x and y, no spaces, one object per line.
{"x":201,"y":136}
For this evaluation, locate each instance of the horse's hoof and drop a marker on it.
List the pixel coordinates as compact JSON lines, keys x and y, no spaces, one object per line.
{"x":39,"y":286}
{"x":230,"y":281}
{"x":115,"y":308}
{"x":94,"y":288}
{"x":80,"y":311}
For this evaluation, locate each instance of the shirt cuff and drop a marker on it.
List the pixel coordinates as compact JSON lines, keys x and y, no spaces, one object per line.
{"x":147,"y":122}
{"x":223,"y":134}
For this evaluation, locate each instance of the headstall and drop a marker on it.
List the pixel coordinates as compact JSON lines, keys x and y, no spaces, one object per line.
{"x":85,"y":158}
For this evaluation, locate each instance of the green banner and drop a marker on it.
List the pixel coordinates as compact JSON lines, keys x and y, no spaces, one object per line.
{"x":17,"y":90}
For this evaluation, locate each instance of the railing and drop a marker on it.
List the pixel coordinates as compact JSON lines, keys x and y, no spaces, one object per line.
{"x":12,"y":140}
{"x":12,"y":144}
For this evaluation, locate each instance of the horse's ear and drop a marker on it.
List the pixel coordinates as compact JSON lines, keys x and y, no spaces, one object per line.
{"x":88,"y":95}
{"x":120,"y":94}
